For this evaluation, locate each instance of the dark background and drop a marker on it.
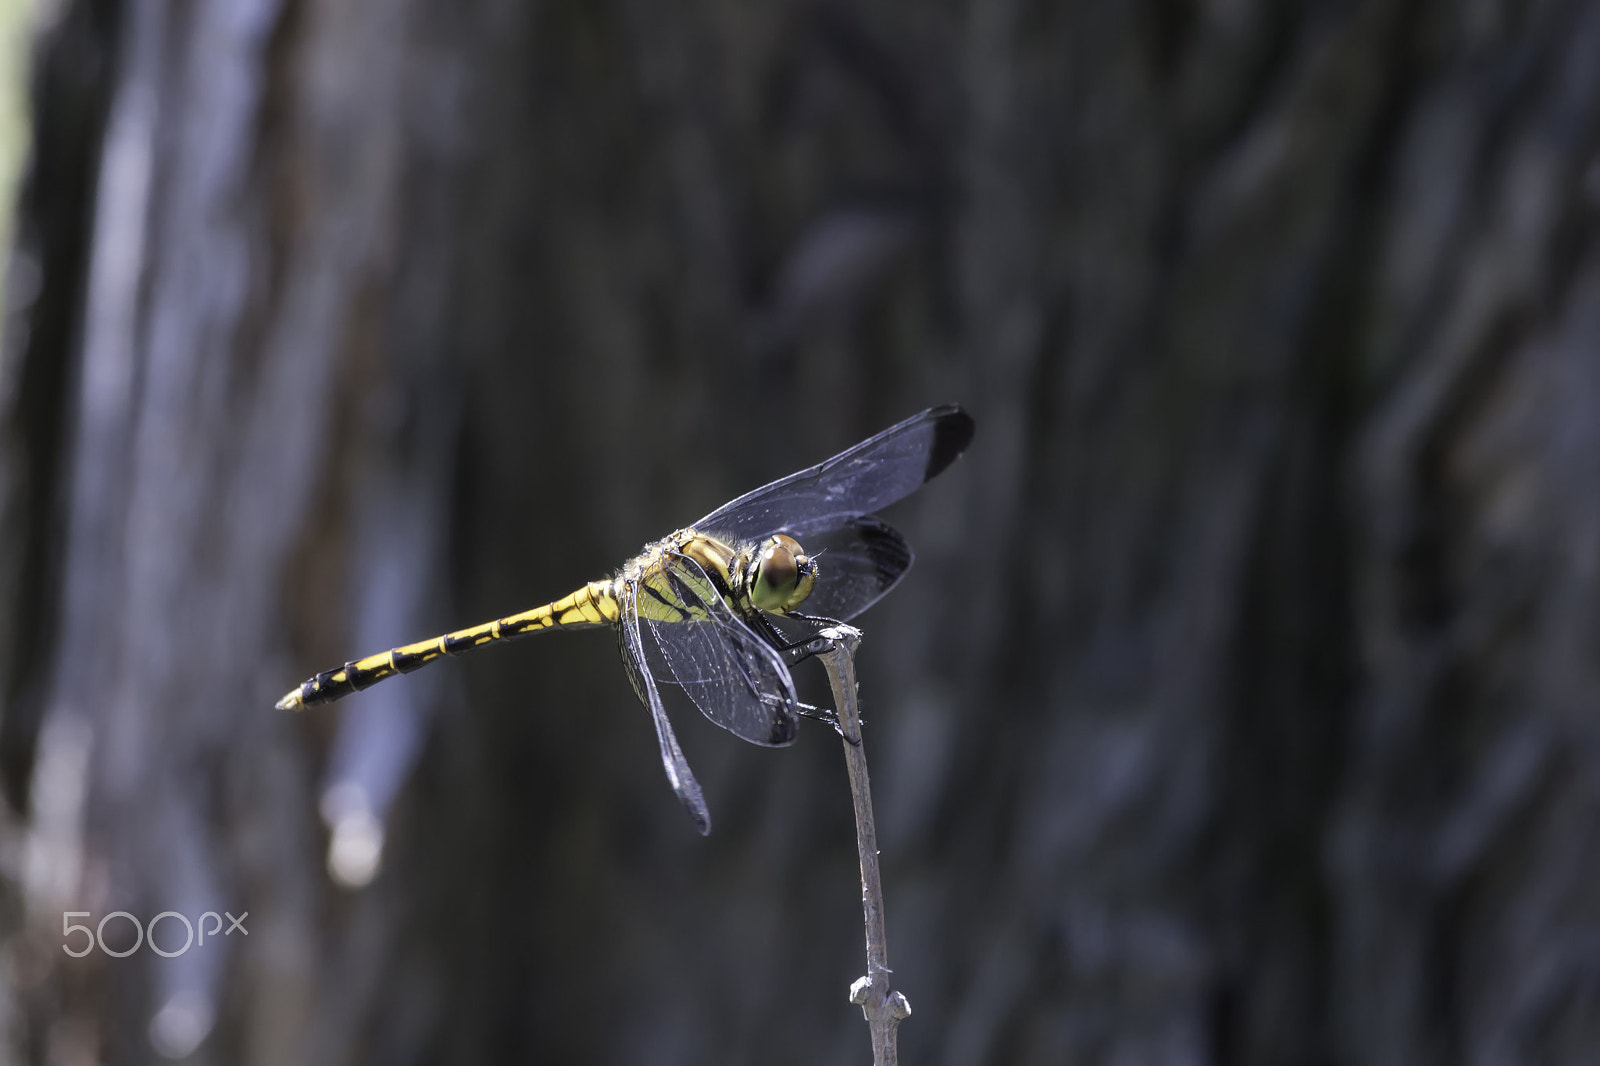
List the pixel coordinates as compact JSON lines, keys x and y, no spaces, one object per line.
{"x":1243,"y":705}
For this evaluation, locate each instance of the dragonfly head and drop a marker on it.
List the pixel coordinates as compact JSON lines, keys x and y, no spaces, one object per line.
{"x":781,"y":575}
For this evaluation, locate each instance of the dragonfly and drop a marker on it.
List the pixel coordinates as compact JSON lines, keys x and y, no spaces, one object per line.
{"x":709,"y":610}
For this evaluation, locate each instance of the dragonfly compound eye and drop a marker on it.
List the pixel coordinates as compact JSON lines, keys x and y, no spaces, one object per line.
{"x":783,"y":575}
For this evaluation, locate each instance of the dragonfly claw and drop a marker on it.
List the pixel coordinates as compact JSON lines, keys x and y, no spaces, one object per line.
{"x":806,"y":710}
{"x":798,"y":652}
{"x":817,"y":620}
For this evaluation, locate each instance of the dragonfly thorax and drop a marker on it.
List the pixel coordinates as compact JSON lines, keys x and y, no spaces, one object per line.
{"x":775,"y":575}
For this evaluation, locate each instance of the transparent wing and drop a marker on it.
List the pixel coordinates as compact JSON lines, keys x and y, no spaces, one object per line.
{"x":679,"y":776}
{"x":857,"y":563}
{"x":857,"y":481}
{"x":730,"y":671}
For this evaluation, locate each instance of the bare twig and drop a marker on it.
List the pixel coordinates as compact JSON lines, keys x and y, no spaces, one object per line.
{"x":884,"y":1009}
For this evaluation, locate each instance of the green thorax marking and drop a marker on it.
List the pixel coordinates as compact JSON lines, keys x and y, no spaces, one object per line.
{"x":659,"y":582}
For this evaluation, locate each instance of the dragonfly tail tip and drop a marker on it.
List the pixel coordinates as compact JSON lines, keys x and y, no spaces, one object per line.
{"x":291,"y":702}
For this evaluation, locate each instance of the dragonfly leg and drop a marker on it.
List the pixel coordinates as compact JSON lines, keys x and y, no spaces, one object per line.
{"x":817,"y":620}
{"x":806,"y":710}
{"x":797,"y":653}
{"x":816,"y":714}
{"x":801,"y":650}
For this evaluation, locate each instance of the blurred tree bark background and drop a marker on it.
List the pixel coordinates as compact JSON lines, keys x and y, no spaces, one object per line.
{"x":1241,"y":707}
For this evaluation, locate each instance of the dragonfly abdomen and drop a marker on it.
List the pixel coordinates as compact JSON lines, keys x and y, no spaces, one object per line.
{"x":593,"y":605}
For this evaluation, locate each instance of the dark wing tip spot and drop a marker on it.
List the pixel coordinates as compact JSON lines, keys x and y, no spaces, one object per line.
{"x":952,"y":432}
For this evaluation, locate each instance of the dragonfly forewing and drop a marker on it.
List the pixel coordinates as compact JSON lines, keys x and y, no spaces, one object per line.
{"x":860,"y":480}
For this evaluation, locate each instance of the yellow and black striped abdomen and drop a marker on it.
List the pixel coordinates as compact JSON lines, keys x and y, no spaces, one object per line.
{"x":593,"y":605}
